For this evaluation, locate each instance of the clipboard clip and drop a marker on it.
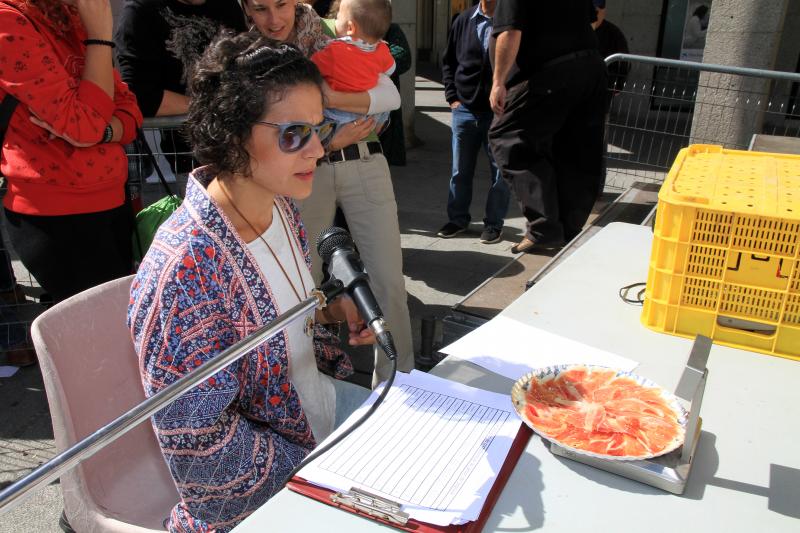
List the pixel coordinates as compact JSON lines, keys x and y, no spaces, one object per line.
{"x":375,"y":506}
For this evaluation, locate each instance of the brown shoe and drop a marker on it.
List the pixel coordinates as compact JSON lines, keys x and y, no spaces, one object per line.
{"x":19,"y":355}
{"x":527,"y":246}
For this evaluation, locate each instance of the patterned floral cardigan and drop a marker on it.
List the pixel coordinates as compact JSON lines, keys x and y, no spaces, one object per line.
{"x":231,"y":441}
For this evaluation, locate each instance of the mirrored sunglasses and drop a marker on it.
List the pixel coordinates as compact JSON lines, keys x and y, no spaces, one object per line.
{"x":293,"y":136}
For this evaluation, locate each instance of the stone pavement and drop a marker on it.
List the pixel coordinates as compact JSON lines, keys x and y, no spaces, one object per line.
{"x":439,"y":272}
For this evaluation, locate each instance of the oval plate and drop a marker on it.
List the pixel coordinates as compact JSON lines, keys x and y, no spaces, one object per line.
{"x":518,"y":392}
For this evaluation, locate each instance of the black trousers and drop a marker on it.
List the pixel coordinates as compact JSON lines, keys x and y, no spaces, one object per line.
{"x":68,"y":254}
{"x":549,"y":146}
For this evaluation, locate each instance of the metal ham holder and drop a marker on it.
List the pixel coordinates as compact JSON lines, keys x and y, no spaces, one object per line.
{"x":668,"y":472}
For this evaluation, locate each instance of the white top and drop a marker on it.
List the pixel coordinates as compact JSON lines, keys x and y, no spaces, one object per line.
{"x":317,"y":395}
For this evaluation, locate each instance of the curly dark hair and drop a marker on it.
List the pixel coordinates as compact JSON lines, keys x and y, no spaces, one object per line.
{"x":233,"y":85}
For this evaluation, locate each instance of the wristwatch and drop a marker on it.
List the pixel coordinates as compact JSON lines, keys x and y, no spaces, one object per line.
{"x":108,"y":134}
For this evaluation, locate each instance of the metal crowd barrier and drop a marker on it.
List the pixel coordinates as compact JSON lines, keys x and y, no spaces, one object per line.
{"x":659,"y":106}
{"x":171,"y":152}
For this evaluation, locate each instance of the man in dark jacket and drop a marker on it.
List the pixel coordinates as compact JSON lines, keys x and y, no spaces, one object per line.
{"x":467,"y":76}
{"x":548,"y":93}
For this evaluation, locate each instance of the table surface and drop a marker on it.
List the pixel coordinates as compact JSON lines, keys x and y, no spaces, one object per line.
{"x":746,"y":475}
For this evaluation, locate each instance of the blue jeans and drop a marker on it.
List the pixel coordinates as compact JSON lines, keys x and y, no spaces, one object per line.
{"x":470,"y":132}
{"x":349,"y":397}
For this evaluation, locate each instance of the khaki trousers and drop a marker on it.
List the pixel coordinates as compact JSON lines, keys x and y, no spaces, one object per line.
{"x":363,"y":189}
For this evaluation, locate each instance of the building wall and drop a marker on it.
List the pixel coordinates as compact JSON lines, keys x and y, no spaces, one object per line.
{"x":404,"y":13}
{"x":639,"y":20}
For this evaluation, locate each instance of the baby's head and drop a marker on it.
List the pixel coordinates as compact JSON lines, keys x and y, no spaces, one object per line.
{"x":367,"y":20}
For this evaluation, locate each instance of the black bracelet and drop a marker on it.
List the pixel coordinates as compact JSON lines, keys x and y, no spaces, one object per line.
{"x":102,"y":42}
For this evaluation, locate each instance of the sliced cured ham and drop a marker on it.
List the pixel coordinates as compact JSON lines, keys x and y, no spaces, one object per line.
{"x":602,"y":412}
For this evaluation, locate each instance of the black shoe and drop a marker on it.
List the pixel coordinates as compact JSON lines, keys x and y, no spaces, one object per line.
{"x":450,"y":230}
{"x":491,"y":235}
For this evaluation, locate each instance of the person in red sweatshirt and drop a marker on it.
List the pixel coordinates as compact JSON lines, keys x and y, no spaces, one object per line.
{"x":63,"y":156}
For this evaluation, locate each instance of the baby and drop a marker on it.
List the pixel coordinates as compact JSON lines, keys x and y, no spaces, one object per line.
{"x":353,"y":61}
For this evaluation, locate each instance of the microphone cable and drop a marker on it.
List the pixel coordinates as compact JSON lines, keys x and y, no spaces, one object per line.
{"x":387,"y":344}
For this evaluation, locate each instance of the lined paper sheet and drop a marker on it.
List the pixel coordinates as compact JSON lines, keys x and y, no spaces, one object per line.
{"x":512,"y":349}
{"x":434,"y":446}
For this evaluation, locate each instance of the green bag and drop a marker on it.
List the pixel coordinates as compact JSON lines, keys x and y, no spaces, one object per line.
{"x":148,"y":220}
{"x":151,"y":217}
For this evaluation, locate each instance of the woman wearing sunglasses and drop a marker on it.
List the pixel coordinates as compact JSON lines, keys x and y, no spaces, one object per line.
{"x":233,"y":257}
{"x":355,"y":176}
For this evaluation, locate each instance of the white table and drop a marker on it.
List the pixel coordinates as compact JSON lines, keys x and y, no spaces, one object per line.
{"x":746,"y":475}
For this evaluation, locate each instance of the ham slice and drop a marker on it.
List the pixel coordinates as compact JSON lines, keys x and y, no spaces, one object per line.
{"x":594,"y":410}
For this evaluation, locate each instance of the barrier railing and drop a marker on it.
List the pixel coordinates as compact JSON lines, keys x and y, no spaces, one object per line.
{"x":659,"y":106}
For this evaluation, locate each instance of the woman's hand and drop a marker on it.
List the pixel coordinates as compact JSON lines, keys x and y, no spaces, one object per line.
{"x":342,"y":309}
{"x":53,"y":134}
{"x":351,"y":102}
{"x":96,"y":17}
{"x":352,"y":133}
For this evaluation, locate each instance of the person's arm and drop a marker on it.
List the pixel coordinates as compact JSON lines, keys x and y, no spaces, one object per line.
{"x":505,"y":54}
{"x":449,"y":65}
{"x":173,"y":103}
{"x":383,"y":97}
{"x":127,"y":117}
{"x":77,"y":110}
{"x":178,"y":322}
{"x":98,"y":62}
{"x":140,"y":57}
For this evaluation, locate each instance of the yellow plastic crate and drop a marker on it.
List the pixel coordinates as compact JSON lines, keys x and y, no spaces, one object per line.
{"x":725,"y":261}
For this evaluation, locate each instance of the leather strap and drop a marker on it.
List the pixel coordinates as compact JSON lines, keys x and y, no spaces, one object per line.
{"x":351,"y":152}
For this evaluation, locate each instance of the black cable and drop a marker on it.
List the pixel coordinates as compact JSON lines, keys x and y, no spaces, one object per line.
{"x":639,"y":299}
{"x":392,"y":355}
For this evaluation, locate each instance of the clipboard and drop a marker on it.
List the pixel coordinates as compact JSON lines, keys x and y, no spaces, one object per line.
{"x":386,"y":512}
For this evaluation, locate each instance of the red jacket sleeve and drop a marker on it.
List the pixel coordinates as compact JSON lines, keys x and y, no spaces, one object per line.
{"x":35,"y":75}
{"x":127,"y":110}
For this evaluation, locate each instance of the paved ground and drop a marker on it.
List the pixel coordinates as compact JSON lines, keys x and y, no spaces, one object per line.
{"x":439,"y":273}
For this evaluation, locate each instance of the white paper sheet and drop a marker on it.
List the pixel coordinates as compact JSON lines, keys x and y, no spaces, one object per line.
{"x":512,"y":349}
{"x":434,"y":445}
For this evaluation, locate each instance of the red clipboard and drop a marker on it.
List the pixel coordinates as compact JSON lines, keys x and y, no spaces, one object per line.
{"x":302,"y":486}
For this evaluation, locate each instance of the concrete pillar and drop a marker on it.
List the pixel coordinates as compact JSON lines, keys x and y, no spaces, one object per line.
{"x":742,"y":33}
{"x":404,"y":13}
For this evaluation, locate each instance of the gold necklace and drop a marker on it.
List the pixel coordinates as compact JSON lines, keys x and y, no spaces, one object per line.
{"x":271,"y":251}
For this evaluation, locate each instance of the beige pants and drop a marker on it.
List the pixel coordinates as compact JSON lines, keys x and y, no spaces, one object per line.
{"x":363,"y":189}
